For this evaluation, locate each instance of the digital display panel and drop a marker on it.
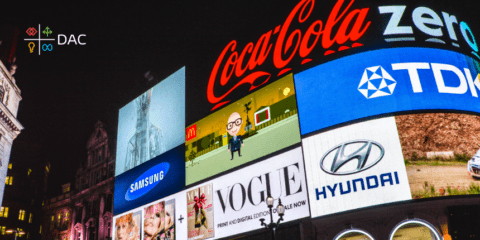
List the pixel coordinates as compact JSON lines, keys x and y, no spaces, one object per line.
{"x":355,"y":166}
{"x":400,"y":121}
{"x":260,"y":123}
{"x":161,"y":219}
{"x":234,"y":203}
{"x":157,"y":178}
{"x":151,"y":124}
{"x":128,"y":226}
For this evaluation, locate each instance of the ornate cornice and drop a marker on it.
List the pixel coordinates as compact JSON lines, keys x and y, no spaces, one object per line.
{"x":9,"y":77}
{"x":9,"y":119}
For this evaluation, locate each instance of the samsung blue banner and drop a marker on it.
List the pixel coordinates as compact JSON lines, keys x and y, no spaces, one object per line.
{"x":152,"y":180}
{"x":383,"y":82}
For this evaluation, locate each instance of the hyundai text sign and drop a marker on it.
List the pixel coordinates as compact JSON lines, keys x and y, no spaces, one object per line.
{"x":355,"y":166}
{"x":152,"y":180}
{"x":386,"y":81}
{"x":365,"y":154}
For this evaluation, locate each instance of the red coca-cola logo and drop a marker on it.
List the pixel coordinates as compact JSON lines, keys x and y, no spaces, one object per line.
{"x":349,"y":23}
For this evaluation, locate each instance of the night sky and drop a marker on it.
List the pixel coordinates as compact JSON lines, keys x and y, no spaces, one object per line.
{"x":66,"y":91}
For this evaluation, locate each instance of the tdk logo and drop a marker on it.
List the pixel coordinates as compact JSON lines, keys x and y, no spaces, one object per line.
{"x":352,"y":157}
{"x":373,"y":82}
{"x":376,"y":82}
{"x":147,"y":181}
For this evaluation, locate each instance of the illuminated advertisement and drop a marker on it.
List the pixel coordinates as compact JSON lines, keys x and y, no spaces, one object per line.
{"x":157,"y":178}
{"x":200,"y":212}
{"x":355,"y":166}
{"x":239,"y":202}
{"x":260,"y":123}
{"x":128,"y":226}
{"x":441,"y":152}
{"x":151,"y":124}
{"x":308,"y":33}
{"x":230,"y":205}
{"x":426,"y":102}
{"x":163,"y":219}
{"x":159,"y":221}
{"x":386,"y":81}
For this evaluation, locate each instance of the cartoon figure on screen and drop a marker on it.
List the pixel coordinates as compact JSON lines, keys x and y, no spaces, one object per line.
{"x":147,"y":142}
{"x":126,"y":228}
{"x":200,"y":216}
{"x":154,"y":222}
{"x":233,"y":127}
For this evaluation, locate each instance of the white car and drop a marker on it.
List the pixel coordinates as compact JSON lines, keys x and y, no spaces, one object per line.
{"x":474,"y":165}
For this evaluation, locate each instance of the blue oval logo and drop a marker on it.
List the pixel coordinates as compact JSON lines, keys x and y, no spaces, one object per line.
{"x":147,"y":181}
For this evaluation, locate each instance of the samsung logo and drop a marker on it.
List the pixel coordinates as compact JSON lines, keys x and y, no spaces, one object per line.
{"x":147,"y":181}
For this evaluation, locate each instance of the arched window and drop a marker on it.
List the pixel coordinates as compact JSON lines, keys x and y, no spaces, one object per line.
{"x":353,"y":234}
{"x":414,"y":229}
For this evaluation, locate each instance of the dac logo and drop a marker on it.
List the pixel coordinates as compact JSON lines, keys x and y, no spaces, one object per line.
{"x":376,"y":82}
{"x":340,"y":159}
{"x":61,"y":39}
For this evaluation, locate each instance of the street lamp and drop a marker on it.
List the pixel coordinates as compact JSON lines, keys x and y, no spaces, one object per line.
{"x":281,"y":212}
{"x":10,"y":231}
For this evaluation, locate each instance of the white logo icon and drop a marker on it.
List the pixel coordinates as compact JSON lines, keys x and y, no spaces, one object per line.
{"x":376,"y":82}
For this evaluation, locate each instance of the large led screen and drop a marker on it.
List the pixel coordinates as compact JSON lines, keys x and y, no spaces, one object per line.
{"x":395,"y":119}
{"x":355,"y":166}
{"x":157,"y":178}
{"x":256,"y":125}
{"x":164,"y":218}
{"x":386,"y":81}
{"x":151,"y":124}
{"x":235,"y":203}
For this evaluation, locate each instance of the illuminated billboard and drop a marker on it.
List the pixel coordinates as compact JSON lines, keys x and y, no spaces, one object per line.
{"x":260,"y":123}
{"x":388,"y":121}
{"x":386,"y":81}
{"x":157,"y":178}
{"x":231,"y":205}
{"x":355,"y":166}
{"x":161,"y":219}
{"x":151,"y":124}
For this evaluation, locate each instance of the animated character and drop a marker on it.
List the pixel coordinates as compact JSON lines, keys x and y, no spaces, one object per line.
{"x":233,"y":127}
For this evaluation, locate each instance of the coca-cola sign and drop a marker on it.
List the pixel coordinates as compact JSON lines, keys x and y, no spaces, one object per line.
{"x":341,"y":29}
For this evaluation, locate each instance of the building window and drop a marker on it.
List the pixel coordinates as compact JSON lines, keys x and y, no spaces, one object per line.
{"x":19,"y":230}
{"x":30,"y":218}
{"x":9,"y":180}
{"x":4,"y":212}
{"x":52,"y":224}
{"x":2,"y":230}
{"x":9,"y":165}
{"x":29,"y":171}
{"x":59,"y":219}
{"x":66,"y":216}
{"x":40,"y":229}
{"x":21,"y":215}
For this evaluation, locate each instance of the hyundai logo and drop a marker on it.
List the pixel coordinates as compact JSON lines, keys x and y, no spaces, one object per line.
{"x":352,"y":157}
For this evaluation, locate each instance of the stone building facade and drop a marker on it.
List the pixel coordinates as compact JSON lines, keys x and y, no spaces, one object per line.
{"x":86,"y":212}
{"x":10,"y":127}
